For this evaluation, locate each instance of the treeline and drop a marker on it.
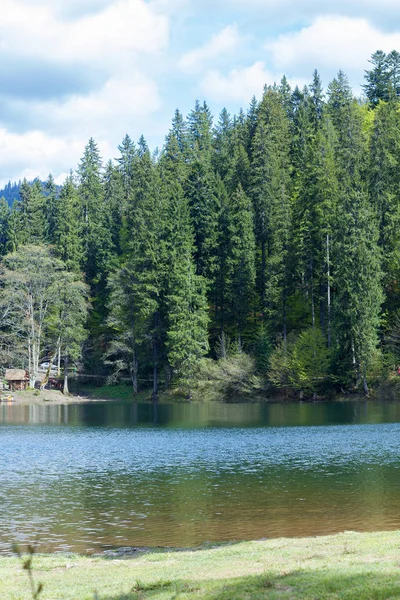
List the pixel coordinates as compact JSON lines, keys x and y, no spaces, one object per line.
{"x":10,"y":192}
{"x":269,"y":239}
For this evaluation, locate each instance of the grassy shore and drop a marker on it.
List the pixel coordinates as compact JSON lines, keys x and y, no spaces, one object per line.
{"x":346,"y":566}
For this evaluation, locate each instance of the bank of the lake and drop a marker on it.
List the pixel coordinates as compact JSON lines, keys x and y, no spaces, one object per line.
{"x":45,"y":397}
{"x":346,"y":566}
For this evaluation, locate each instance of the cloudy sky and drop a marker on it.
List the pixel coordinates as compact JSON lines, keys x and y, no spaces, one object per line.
{"x":71,"y":69}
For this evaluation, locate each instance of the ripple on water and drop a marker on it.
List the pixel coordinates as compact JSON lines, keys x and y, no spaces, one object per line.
{"x":85,"y":488}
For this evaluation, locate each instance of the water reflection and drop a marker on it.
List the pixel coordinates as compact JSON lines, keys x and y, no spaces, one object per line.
{"x":115,"y":414}
{"x":89,"y":477}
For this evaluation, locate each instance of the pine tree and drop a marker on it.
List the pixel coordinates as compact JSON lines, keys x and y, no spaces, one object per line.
{"x":125,"y":162}
{"x":185,"y":295}
{"x":378,"y":79}
{"x":114,"y":203}
{"x":67,"y":233}
{"x":50,"y":207}
{"x":32,"y":210}
{"x":240,"y":262}
{"x":357,"y":257}
{"x":270,"y":193}
{"x":199,"y":131}
{"x":221,"y":156}
{"x":145,"y":260}
{"x":385,"y":194}
{"x":204,"y":207}
{"x":4,"y":225}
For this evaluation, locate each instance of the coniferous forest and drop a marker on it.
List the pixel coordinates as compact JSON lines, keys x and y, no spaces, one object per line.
{"x":254,"y":252}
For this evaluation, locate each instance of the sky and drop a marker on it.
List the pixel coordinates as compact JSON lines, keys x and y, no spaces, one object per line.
{"x":75,"y":69}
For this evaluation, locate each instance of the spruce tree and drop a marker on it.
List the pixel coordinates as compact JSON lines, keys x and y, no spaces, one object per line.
{"x":32,"y":211}
{"x":270,"y":193}
{"x":50,"y":209}
{"x":240,"y":263}
{"x":185,"y":294}
{"x":385,"y":195}
{"x":67,"y":233}
{"x":357,"y":257}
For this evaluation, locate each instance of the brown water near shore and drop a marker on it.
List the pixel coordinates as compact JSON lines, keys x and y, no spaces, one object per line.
{"x":91,"y":477}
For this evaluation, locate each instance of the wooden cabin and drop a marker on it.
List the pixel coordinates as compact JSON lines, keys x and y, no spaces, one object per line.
{"x":17,"y":379}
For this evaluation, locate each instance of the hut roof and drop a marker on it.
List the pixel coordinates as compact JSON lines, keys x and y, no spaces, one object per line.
{"x":16,"y":375}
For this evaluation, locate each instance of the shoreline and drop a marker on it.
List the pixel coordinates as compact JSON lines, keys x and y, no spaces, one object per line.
{"x":44,"y":398}
{"x":346,"y":565}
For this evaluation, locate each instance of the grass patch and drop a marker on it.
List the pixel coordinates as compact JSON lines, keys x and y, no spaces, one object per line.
{"x":120,"y":391}
{"x":346,"y":566}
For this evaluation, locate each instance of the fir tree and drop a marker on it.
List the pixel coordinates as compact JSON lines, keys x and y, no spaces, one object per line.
{"x":240,"y":262}
{"x":270,"y":193}
{"x":67,"y":233}
{"x":357,"y":257}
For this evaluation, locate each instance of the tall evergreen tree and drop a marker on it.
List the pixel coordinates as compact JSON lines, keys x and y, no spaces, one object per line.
{"x":240,"y":262}
{"x":357,"y":257}
{"x":185,"y":294}
{"x":270,"y":193}
{"x":385,"y":194}
{"x":67,"y":233}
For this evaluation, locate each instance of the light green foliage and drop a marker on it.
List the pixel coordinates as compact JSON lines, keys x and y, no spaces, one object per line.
{"x":310,"y":360}
{"x":27,"y":280}
{"x":233,"y":378}
{"x":65,"y":324}
{"x":280,"y":364}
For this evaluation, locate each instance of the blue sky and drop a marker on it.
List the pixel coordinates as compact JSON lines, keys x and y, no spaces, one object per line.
{"x":71,"y":69}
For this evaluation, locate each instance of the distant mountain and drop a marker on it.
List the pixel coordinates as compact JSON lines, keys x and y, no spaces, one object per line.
{"x":11,"y":191}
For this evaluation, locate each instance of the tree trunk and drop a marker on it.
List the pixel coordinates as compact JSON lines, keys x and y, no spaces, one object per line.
{"x":47,"y":376}
{"x":263,"y":267}
{"x":329,"y":289}
{"x":134,"y":373}
{"x":312,"y":296}
{"x":65,"y":388}
{"x":59,"y":360}
{"x":154,"y":396}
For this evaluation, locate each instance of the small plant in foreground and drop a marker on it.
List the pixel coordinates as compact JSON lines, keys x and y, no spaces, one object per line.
{"x":36,"y":589}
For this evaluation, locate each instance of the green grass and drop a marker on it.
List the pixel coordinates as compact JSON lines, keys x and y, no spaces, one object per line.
{"x":120,"y":391}
{"x":346,"y":566}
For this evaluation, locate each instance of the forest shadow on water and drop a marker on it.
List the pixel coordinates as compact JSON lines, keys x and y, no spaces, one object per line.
{"x":95,"y":477}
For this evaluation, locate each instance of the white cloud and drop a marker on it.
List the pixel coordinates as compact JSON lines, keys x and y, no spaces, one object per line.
{"x":240,"y":84}
{"x":121,"y":105}
{"x":330,"y":42}
{"x":122,"y":99}
{"x":35,"y":154}
{"x":221,"y":43}
{"x":109,"y":35}
{"x":114,"y":36}
{"x":290,"y":10}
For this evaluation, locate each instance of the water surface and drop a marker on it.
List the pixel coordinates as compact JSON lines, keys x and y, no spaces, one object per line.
{"x":98,"y":476}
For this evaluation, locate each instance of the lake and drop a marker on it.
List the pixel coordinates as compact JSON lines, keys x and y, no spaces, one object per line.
{"x":97,"y":476}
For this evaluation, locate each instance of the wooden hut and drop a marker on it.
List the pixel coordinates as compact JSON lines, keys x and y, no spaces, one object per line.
{"x":17,"y":379}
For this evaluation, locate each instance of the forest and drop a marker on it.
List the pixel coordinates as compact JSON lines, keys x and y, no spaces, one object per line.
{"x":256,"y":253}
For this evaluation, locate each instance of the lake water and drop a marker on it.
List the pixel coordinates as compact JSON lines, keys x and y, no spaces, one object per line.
{"x":98,"y":476}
